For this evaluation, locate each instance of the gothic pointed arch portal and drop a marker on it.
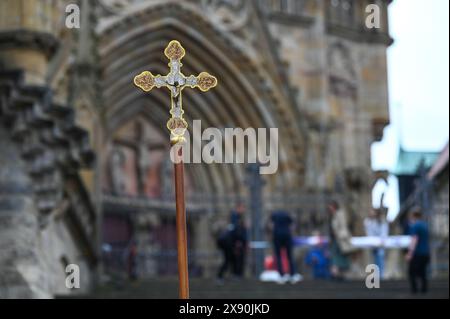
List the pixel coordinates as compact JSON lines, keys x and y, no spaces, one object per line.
{"x":135,"y":44}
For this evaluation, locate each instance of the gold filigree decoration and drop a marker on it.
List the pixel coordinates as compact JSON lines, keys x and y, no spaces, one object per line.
{"x":177,"y":126}
{"x":145,"y":80}
{"x":174,"y":51}
{"x":206,"y":81}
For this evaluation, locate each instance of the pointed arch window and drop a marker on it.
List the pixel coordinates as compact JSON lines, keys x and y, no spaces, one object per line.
{"x":286,"y":11}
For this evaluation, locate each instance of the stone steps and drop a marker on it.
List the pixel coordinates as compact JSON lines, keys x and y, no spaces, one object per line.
{"x":167,"y":288}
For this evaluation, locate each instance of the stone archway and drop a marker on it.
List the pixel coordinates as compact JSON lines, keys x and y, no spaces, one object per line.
{"x":244,"y":98}
{"x":136,"y":42}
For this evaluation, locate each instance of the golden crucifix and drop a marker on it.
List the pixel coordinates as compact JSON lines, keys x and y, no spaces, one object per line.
{"x":176,"y":81}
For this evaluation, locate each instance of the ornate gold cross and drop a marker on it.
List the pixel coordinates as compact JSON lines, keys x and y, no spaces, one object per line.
{"x":175,"y":81}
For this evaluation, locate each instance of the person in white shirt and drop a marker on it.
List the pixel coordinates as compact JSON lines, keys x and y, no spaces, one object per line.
{"x":377,"y":226}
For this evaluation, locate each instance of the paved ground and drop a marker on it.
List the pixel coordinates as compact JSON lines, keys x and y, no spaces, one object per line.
{"x":166,"y":288}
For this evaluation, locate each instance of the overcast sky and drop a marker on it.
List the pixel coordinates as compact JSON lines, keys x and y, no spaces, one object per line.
{"x":418,"y":64}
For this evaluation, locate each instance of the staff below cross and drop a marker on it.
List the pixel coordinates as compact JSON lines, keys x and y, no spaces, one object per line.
{"x":176,"y":81}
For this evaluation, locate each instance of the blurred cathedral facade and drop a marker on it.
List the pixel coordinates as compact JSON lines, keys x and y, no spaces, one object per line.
{"x":84,"y":167}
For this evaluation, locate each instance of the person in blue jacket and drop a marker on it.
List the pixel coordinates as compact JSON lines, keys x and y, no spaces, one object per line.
{"x":418,"y":254}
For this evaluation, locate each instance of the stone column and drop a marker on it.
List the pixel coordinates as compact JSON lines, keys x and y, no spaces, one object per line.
{"x":28,"y":30}
{"x":203,"y":242}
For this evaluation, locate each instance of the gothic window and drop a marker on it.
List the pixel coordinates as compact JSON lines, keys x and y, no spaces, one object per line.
{"x":299,"y":7}
{"x":289,"y":7}
{"x":342,"y":12}
{"x":347,"y":18}
{"x":289,"y":12}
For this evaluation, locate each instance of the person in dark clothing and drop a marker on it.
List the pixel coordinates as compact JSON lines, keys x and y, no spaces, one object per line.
{"x":225,"y":245}
{"x":418,"y":254}
{"x":237,"y":215}
{"x":233,"y":244}
{"x":132,"y":260}
{"x":282,"y":239}
{"x":239,"y":241}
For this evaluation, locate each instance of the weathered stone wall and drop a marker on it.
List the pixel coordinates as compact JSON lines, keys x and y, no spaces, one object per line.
{"x":32,"y":259}
{"x":340,"y":80}
{"x":21,"y":275}
{"x":33,"y":253}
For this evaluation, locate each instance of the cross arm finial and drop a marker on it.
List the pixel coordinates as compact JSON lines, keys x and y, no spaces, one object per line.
{"x":147,"y":81}
{"x":174,"y":51}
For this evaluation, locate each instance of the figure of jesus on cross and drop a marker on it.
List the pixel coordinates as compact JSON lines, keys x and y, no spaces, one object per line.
{"x":176,"y":81}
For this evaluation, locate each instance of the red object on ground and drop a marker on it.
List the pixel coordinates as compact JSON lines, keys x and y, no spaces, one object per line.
{"x":271,"y":264}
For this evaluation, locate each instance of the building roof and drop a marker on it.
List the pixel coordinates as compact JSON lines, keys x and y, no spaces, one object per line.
{"x":439,"y":165}
{"x":408,"y":162}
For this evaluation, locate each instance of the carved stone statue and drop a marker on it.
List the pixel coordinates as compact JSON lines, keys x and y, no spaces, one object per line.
{"x":117,"y":162}
{"x":228,"y":14}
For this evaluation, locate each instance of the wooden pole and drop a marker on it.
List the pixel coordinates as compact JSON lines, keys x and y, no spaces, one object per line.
{"x":175,"y":81}
{"x":183,"y":275}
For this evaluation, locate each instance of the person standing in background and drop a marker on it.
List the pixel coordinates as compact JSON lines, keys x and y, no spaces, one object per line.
{"x":282,"y":239}
{"x":418,"y":254}
{"x":239,"y":242}
{"x":318,"y":259}
{"x":340,"y":241}
{"x":132,"y":255}
{"x":376,"y":225}
{"x":238,"y":237}
{"x":224,"y":243}
{"x":238,"y":214}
